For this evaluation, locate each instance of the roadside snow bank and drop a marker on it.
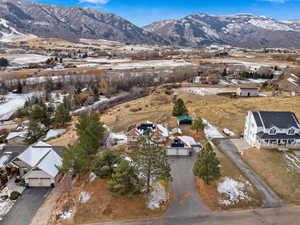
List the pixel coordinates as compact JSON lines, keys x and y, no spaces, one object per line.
{"x":233,"y":190}
{"x":211,"y":131}
{"x":158,"y":196}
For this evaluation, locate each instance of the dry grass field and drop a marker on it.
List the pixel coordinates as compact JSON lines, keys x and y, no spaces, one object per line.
{"x":273,"y":168}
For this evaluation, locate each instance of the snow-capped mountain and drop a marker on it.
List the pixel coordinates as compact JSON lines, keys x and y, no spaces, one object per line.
{"x":71,"y":23}
{"x":244,"y":30}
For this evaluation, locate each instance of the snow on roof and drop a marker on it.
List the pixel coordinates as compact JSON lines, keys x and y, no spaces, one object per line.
{"x":189,"y":141}
{"x":50,"y":163}
{"x":12,"y":135}
{"x":163,"y":130}
{"x":32,"y":155}
{"x":42,"y":156}
{"x":54,"y":133}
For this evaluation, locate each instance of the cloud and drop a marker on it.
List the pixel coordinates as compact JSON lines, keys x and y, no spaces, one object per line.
{"x":95,"y":1}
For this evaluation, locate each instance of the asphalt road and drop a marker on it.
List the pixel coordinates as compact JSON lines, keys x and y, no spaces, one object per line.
{"x":185,"y":200}
{"x":25,"y":207}
{"x":269,"y":197}
{"x":270,"y":216}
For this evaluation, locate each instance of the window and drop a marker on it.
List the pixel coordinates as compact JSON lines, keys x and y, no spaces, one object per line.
{"x":273,"y":131}
{"x":291,"y":131}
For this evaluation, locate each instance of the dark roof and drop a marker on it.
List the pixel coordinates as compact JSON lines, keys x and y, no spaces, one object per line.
{"x":277,"y":136}
{"x":180,"y":118}
{"x":249,"y":88}
{"x":283,"y":120}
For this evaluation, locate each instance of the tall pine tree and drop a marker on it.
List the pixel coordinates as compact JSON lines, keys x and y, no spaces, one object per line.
{"x":179,"y":108}
{"x":207,"y":165}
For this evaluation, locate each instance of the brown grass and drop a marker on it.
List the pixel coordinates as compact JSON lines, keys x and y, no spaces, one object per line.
{"x":103,"y":206}
{"x":272,"y":167}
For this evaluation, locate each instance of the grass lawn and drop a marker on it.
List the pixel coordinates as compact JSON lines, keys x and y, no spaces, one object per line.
{"x":273,"y":168}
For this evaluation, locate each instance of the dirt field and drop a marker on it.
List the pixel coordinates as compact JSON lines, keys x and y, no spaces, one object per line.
{"x":102,"y":205}
{"x":273,"y":168}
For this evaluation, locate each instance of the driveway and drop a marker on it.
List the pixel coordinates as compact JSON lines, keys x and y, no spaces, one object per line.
{"x":25,"y":207}
{"x":269,"y":198}
{"x":185,"y":200}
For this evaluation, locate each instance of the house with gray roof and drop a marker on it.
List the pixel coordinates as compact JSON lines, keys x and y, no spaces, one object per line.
{"x":272,"y":129}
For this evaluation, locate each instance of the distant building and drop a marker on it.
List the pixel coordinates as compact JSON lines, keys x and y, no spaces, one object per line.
{"x":16,"y":138}
{"x":247,"y":92}
{"x":272,"y":130}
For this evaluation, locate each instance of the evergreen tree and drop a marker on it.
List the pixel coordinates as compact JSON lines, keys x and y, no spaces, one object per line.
{"x":206,"y":166}
{"x":198,"y":125}
{"x":105,"y":163}
{"x":125,"y":180}
{"x":90,"y":132}
{"x":151,"y":161}
{"x":224,"y":73}
{"x":3,"y":62}
{"x":19,"y":89}
{"x":34,"y":133}
{"x":179,"y":108}
{"x":75,"y":160}
{"x":40,"y":114}
{"x":62,"y":115}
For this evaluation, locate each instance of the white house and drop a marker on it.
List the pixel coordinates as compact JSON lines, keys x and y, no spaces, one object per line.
{"x":272,"y":130}
{"x":39,"y":165}
{"x":247,"y":92}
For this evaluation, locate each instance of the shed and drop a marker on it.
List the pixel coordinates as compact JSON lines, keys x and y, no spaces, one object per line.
{"x":184,"y":120}
{"x":247,"y":92}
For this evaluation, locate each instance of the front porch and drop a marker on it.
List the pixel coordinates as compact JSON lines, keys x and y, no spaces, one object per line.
{"x":279,"y":143}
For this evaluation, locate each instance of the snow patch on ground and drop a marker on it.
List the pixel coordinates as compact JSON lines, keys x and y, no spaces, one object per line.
{"x":158,"y":196}
{"x":92,"y":177}
{"x":66,"y":215}
{"x":5,"y":205}
{"x":292,"y":81}
{"x":12,"y":103}
{"x":211,"y":131}
{"x":234,"y":191}
{"x":84,"y":197}
{"x":207,"y":91}
{"x":293,"y":161}
{"x":119,"y":138}
{"x":22,"y":59}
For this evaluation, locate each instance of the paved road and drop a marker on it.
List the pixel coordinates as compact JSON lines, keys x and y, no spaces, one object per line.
{"x":270,"y":216}
{"x":25,"y":207}
{"x":185,"y":200}
{"x":269,"y":197}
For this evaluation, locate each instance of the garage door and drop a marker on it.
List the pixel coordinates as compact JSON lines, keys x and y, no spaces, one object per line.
{"x":171,"y":152}
{"x":39,"y":182}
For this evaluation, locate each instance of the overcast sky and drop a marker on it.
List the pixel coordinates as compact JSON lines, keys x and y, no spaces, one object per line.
{"x":142,"y":12}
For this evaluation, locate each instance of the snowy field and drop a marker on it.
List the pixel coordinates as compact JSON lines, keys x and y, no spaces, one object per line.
{"x":249,"y":81}
{"x":12,"y":103}
{"x":22,"y":59}
{"x":233,"y":191}
{"x":106,"y":60}
{"x":147,"y":64}
{"x":207,"y":91}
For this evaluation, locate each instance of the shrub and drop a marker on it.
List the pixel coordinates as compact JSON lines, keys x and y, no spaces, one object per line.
{"x":14,"y":195}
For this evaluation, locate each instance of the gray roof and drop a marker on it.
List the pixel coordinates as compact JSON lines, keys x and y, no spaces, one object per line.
{"x":269,"y":119}
{"x":249,"y":88}
{"x":278,"y":136}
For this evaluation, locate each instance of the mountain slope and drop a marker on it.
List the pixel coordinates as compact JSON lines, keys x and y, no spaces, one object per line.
{"x":244,"y":30}
{"x":71,"y":23}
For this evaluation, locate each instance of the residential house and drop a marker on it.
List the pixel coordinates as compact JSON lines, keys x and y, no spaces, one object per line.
{"x":247,"y":92}
{"x":272,"y":129}
{"x":38,"y":165}
{"x":160,"y":134}
{"x":16,"y":138}
{"x":182,"y":146}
